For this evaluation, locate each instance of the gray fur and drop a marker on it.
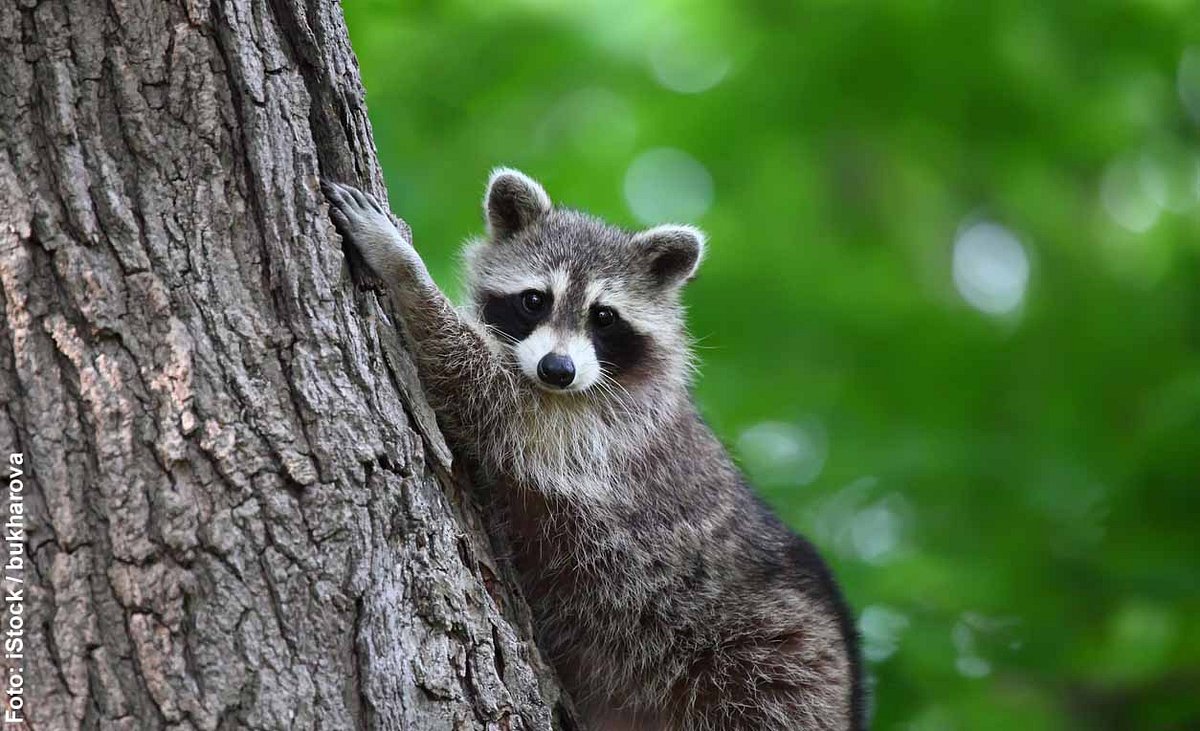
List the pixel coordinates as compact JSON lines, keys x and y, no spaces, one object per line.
{"x":665,"y":593}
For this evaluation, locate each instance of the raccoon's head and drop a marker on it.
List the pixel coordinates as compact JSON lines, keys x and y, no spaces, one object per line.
{"x":582,"y":305}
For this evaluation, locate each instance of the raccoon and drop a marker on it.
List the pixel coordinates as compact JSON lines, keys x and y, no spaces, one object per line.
{"x":665,"y":594}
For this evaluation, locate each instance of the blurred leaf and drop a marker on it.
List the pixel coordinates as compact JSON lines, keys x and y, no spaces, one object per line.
{"x":1003,"y":465}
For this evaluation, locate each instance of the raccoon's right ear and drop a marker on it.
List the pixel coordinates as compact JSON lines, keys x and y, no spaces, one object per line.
{"x":513,"y":201}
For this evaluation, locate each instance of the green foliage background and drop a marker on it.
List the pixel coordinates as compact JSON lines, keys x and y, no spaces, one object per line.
{"x":1009,"y":499}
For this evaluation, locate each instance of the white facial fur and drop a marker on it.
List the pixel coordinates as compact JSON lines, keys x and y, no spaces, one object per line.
{"x":578,"y":348}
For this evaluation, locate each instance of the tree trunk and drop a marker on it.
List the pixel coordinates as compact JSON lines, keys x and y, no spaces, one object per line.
{"x":239,"y":512}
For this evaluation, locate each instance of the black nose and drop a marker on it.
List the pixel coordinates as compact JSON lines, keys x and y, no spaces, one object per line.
{"x":556,"y":370}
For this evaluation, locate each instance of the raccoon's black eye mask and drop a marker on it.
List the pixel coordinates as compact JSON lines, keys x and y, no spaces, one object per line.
{"x":516,"y":315}
{"x":620,"y":348}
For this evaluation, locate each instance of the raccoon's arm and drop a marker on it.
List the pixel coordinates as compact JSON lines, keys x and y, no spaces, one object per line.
{"x":464,"y":378}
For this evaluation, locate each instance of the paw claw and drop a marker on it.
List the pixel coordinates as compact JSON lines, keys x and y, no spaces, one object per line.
{"x":334,"y":193}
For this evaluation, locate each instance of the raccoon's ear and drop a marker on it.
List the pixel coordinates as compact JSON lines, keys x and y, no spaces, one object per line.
{"x":513,"y":201}
{"x":674,"y":252}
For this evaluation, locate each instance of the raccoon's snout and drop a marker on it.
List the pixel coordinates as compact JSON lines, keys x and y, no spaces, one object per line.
{"x":556,"y":370}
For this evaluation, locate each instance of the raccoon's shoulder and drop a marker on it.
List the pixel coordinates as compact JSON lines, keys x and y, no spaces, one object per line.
{"x":683,"y":450}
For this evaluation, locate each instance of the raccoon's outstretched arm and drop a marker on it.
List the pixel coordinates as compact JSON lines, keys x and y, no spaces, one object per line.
{"x":463,"y":376}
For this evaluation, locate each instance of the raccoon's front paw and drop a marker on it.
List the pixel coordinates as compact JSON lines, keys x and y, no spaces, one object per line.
{"x":365,"y":223}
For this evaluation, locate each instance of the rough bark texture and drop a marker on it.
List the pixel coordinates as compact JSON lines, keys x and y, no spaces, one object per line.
{"x":242,"y":512}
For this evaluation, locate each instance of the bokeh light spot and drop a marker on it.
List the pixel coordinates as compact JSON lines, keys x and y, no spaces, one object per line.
{"x":687,"y":64}
{"x":990,"y":267}
{"x":881,"y":628}
{"x":976,"y":636}
{"x":1127,"y":198}
{"x":1170,"y":175}
{"x":665,"y":184}
{"x":877,"y":529}
{"x":855,"y":525}
{"x":593,"y":121}
{"x":779,"y":453}
{"x":973,"y":667}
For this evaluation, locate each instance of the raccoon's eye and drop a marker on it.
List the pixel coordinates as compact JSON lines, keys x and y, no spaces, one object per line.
{"x":604,"y":316}
{"x":533,"y":301}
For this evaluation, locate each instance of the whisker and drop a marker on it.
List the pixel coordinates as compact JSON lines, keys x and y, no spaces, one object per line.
{"x":615,"y":390}
{"x":501,"y":335}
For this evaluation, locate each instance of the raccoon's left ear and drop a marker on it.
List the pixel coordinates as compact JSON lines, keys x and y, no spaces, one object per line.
{"x":674,"y":252}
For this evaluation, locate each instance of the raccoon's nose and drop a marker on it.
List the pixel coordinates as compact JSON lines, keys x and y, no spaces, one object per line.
{"x":556,"y":370}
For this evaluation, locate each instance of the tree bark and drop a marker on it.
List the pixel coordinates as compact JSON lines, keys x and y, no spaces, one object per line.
{"x":240,"y":513}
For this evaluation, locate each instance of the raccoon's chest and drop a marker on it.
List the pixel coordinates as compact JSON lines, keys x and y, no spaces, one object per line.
{"x":601,"y":612}
{"x":596,"y":564}
{"x":562,"y":450}
{"x":565,"y":540}
{"x":602,"y":587}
